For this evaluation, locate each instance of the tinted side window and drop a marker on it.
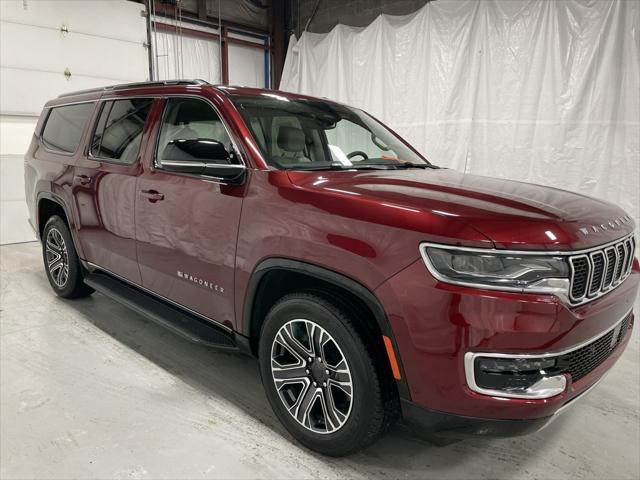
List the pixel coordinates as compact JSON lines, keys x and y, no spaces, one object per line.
{"x":190,"y":119}
{"x":64,"y":127}
{"x":118,"y":132}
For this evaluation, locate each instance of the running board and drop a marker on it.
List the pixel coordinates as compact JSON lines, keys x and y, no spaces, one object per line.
{"x":186,"y":324}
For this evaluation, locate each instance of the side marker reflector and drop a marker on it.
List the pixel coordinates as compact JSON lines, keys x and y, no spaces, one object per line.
{"x":395,"y":369}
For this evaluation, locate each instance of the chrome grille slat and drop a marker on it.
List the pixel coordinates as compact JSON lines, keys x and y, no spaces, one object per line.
{"x":625,"y":246}
{"x":621,"y":259}
{"x":596,"y":271}
{"x":597,"y":264}
{"x":632,"y":250}
{"x":579,"y":276}
{"x":611,"y":266}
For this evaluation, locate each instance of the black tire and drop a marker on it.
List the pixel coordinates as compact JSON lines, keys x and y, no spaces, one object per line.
{"x":368,"y":416}
{"x":61,"y":260}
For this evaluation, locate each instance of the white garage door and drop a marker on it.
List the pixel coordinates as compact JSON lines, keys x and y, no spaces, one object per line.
{"x":39,"y":41}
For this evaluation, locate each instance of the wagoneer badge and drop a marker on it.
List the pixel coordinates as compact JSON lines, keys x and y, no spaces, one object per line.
{"x":605,"y":226}
{"x":199,"y":281}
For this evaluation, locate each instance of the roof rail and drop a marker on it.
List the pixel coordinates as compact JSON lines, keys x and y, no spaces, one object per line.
{"x":124,"y":86}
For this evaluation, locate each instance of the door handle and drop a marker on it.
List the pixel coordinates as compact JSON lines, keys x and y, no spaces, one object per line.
{"x":152,"y":195}
{"x":82,"y":179}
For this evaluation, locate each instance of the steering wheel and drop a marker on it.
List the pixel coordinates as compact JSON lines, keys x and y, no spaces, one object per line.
{"x":356,"y":153}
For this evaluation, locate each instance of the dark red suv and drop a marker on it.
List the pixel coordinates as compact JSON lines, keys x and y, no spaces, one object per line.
{"x":370,"y":283}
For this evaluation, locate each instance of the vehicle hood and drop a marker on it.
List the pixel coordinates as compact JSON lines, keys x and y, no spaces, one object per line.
{"x":508,"y":213}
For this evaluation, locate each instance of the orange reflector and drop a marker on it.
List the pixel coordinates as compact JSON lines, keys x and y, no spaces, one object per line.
{"x":392,"y":357}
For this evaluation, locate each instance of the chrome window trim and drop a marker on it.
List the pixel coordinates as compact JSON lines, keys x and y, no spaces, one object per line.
{"x":179,"y":163}
{"x":182,"y":163}
{"x":157,"y":295}
{"x":77,"y":102}
{"x":561,"y":294}
{"x":470,"y":357}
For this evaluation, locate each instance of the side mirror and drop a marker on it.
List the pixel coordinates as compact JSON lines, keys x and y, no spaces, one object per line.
{"x":202,"y":156}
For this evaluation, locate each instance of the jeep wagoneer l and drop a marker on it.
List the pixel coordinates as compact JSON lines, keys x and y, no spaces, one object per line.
{"x":371,"y":284}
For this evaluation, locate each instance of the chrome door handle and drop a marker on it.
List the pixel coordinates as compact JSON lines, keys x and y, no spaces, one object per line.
{"x":82,"y":179}
{"x":152,"y":195}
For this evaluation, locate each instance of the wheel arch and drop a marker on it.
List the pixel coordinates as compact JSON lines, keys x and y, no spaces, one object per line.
{"x":46,"y":205}
{"x":47,"y":198}
{"x":256,"y":291}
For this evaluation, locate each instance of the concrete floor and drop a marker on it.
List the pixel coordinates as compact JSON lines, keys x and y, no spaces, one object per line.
{"x":90,"y":389}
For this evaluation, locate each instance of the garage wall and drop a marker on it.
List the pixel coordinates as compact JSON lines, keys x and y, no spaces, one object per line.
{"x":538,"y":91}
{"x":39,"y":40}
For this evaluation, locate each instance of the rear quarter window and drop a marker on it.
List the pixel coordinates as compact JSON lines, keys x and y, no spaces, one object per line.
{"x":64,"y":126}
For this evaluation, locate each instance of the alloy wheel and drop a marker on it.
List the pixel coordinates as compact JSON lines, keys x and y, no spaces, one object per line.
{"x":57,"y":257}
{"x":312,"y":376}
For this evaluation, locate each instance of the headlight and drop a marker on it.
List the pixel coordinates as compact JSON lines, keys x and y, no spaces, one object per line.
{"x":511,"y":271}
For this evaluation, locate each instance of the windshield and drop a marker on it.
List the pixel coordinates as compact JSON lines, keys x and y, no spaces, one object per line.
{"x":305,"y":134}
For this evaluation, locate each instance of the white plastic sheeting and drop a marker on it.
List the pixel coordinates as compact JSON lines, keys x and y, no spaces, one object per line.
{"x":182,"y":56}
{"x":539,"y":91}
{"x":185,"y":56}
{"x":246,"y":66}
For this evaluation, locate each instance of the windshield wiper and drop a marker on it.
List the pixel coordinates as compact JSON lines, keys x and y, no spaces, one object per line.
{"x":393,"y":165}
{"x":338,"y":166}
{"x":423,"y":166}
{"x":311,"y":167}
{"x":370,"y":166}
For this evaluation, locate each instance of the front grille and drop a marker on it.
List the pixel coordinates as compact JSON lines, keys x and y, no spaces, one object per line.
{"x":598,"y":271}
{"x":579,"y":363}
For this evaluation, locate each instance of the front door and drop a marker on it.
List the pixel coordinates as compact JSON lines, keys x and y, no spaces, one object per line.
{"x":187,"y":225}
{"x":104,"y":186}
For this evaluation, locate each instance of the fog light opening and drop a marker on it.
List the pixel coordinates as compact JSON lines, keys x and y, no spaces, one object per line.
{"x":515,"y":377}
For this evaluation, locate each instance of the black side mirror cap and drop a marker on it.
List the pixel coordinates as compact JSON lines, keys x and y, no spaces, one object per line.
{"x":196,"y":149}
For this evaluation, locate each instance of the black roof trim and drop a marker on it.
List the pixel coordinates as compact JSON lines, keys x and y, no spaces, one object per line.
{"x":124,"y":86}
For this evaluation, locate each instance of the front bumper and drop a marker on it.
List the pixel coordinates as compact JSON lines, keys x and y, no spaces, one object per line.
{"x":437,"y":324}
{"x":446,"y":425}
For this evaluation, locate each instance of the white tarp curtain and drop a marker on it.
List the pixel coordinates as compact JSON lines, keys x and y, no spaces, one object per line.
{"x":182,"y":56}
{"x":539,"y":91}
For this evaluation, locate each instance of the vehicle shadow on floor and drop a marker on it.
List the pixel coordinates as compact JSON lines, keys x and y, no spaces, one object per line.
{"x":236,"y":378}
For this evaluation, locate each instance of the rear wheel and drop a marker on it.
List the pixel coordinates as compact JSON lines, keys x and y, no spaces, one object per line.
{"x":61,"y":260}
{"x":320,"y":377}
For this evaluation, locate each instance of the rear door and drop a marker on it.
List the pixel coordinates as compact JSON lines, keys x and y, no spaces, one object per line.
{"x":187,"y":225}
{"x":104,"y":185}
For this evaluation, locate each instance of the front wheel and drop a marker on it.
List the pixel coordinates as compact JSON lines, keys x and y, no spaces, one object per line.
{"x":320,"y":377}
{"x":61,"y":260}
